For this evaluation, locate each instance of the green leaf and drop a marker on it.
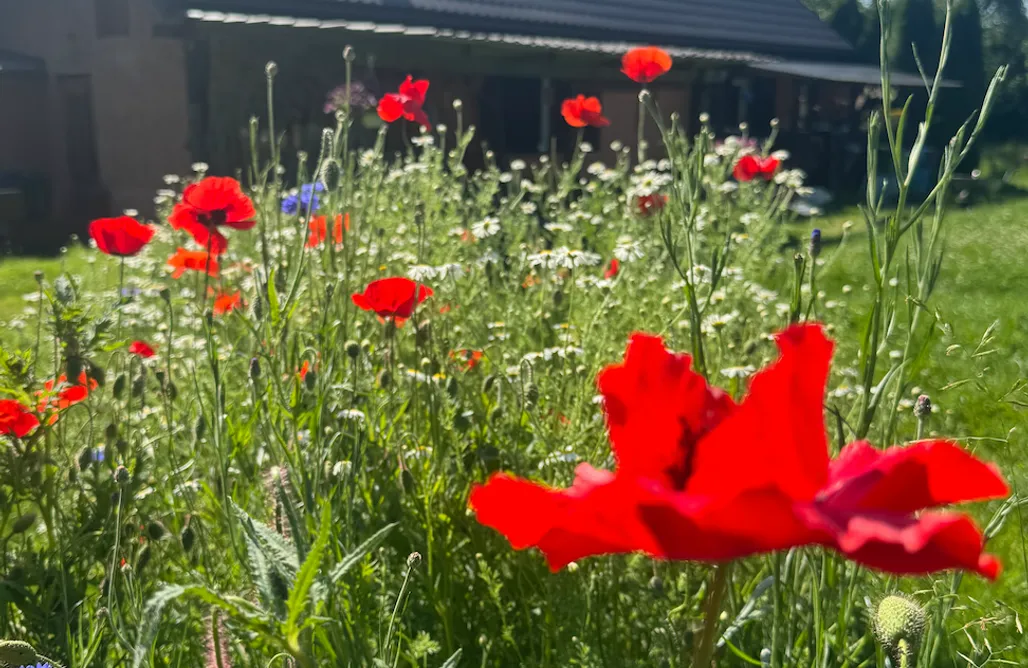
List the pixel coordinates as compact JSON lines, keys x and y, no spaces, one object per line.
{"x":453,"y":660}
{"x":273,"y":304}
{"x":297,"y":602}
{"x":272,"y":561}
{"x":362,"y":550}
{"x":151,"y":621}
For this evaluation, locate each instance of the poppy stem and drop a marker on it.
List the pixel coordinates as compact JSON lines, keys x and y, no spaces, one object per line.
{"x":121,"y":290}
{"x":712,"y":615}
{"x":641,"y":131}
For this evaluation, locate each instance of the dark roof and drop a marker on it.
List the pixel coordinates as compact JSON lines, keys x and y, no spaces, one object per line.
{"x":774,"y":27}
{"x":11,"y":61}
{"x":869,"y":75}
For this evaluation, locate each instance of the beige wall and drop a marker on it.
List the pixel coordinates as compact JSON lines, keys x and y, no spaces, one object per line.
{"x":138,"y":89}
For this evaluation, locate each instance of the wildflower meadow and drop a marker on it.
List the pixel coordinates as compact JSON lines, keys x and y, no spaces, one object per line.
{"x":387,"y":411}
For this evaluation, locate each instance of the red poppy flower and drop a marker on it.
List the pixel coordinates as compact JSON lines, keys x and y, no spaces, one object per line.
{"x":468,"y":359}
{"x":645,"y":64}
{"x":750,"y":167}
{"x":226,"y":302}
{"x":213,"y":202}
{"x":67,"y":395}
{"x":407,"y":103}
{"x":701,"y":478}
{"x":184,"y":260}
{"x":612,"y":269}
{"x":319,"y":230}
{"x":649,"y":205}
{"x":392,"y":297}
{"x":123,"y":236}
{"x":142,"y":349}
{"x":582,"y":111}
{"x":15,"y":419}
{"x":304,"y":370}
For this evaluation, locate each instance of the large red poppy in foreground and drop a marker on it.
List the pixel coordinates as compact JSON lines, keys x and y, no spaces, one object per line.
{"x":212,"y":203}
{"x":392,"y":297}
{"x":700,"y":477}
{"x":122,"y":236}
{"x":407,"y":103}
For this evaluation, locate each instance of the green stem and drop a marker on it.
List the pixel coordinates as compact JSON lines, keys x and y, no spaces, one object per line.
{"x":712,"y":616}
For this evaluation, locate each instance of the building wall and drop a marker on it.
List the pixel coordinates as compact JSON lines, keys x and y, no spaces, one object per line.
{"x":138,"y":101}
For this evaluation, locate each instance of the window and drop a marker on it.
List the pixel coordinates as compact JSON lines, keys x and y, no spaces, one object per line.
{"x":76,"y":94}
{"x":112,"y":18}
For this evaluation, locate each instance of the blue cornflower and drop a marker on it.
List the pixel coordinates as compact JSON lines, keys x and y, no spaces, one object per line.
{"x":37,"y":665}
{"x":306,"y":199}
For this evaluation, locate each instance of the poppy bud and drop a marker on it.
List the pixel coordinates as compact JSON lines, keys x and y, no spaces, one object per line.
{"x":119,"y":386}
{"x":462,"y":420}
{"x":765,"y":657}
{"x":85,"y":459}
{"x":657,"y":585}
{"x":558,"y":297}
{"x":188,"y":538}
{"x":495,"y":413}
{"x":774,"y":123}
{"x":17,"y":653}
{"x":111,"y":432}
{"x":156,"y":531}
{"x":923,"y":407}
{"x":366,"y":345}
{"x":122,"y":476}
{"x":200,"y":428}
{"x":310,"y":381}
{"x":39,"y":276}
{"x":63,"y":290}
{"x":407,"y":480}
{"x":899,"y":625}
{"x":166,"y":295}
{"x":122,"y":446}
{"x":257,"y":308}
{"x":330,"y":290}
{"x":385,"y":379}
{"x":75,"y":365}
{"x":138,"y":385}
{"x":531,"y":393}
{"x":353,"y":349}
{"x":424,"y":333}
{"x":815,"y":243}
{"x":97,"y":373}
{"x":644,"y":96}
{"x":458,"y":104}
{"x":255,"y":369}
{"x":23,"y":523}
{"x":413,"y":560}
{"x":349,"y":55}
{"x":208,"y":318}
{"x":451,"y":387}
{"x":271,"y":69}
{"x":143,"y":559}
{"x":172,"y":391}
{"x":488,"y":384}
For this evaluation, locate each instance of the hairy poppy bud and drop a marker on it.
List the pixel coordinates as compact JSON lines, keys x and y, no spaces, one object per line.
{"x":899,"y":625}
{"x":39,"y":276}
{"x":188,"y":538}
{"x":495,"y":413}
{"x":353,"y":349}
{"x":201,"y":427}
{"x":458,"y":104}
{"x":143,"y":559}
{"x":255,"y":369}
{"x":310,"y":381}
{"x":452,"y":387}
{"x":172,"y":391}
{"x":23,"y":523}
{"x":765,"y":657}
{"x":923,"y":407}
{"x":488,"y":384}
{"x":385,"y":379}
{"x":97,"y":373}
{"x":413,"y":560}
{"x":119,"y":386}
{"x":122,"y":447}
{"x":349,"y":55}
{"x":138,"y":385}
{"x":815,"y":243}
{"x":271,"y":69}
{"x":85,"y":459}
{"x":17,"y":653}
{"x":111,"y":432}
{"x":657,"y":586}
{"x":531,"y":393}
{"x":121,"y":475}
{"x":166,"y":295}
{"x":462,"y":420}
{"x":75,"y":366}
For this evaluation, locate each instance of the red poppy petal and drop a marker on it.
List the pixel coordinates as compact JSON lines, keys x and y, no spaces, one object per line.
{"x":594,"y":516}
{"x":241,"y":224}
{"x":656,"y":409}
{"x":777,"y":436}
{"x":390,"y":107}
{"x":645,"y":64}
{"x":905,"y":479}
{"x":415,"y":90}
{"x":905,"y":545}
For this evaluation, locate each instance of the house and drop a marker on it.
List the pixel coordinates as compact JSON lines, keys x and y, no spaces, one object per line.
{"x":118,"y":93}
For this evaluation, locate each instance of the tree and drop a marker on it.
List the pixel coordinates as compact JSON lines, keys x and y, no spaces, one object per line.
{"x":852,"y":22}
{"x":916,"y":29}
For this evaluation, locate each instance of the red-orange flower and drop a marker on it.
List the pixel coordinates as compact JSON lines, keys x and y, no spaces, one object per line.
{"x":750,"y":167}
{"x":649,"y":205}
{"x":582,"y":111}
{"x":468,"y":359}
{"x":319,"y":230}
{"x":227,"y":302}
{"x":645,"y":64}
{"x":407,"y":103}
{"x":142,"y":349}
{"x":122,"y":236}
{"x":60,"y":394}
{"x":184,"y":260}
{"x":15,"y":419}
{"x":701,"y":478}
{"x":304,"y":370}
{"x":392,"y":297}
{"x":612,"y":269}
{"x":214,"y":202}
